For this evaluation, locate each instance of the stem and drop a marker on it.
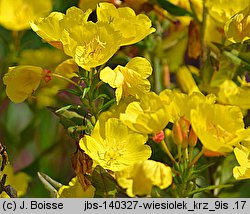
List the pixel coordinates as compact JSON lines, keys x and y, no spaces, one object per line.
{"x":196,"y":158}
{"x":194,"y":12}
{"x":165,"y":147}
{"x":179,"y":153}
{"x":92,"y":86}
{"x":185,"y":153}
{"x":64,"y":78}
{"x":190,"y":155}
{"x":203,"y":56}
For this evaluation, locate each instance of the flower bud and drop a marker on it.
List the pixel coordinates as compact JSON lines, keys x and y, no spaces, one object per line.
{"x":158,"y":137}
{"x":176,"y":133}
{"x":180,"y":132}
{"x":192,"y":138}
{"x":185,"y":125}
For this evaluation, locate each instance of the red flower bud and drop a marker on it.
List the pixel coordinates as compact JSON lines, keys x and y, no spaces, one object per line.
{"x":158,"y":137}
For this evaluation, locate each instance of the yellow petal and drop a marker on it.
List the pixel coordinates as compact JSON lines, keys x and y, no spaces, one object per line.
{"x":139,"y":178}
{"x":113,"y":77}
{"x":75,"y":190}
{"x":22,"y":81}
{"x":140,"y":65}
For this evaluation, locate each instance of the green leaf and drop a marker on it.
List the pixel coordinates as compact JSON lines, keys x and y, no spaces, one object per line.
{"x":104,"y":183}
{"x":202,"y":189}
{"x":207,"y":71}
{"x":65,"y":112}
{"x":102,"y":96}
{"x":74,"y":92}
{"x":107,"y":105}
{"x":173,"y":9}
{"x":85,"y":91}
{"x":157,"y":192}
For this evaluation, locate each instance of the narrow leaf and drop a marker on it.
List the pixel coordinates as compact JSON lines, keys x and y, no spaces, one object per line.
{"x":173,"y":9}
{"x":50,"y":184}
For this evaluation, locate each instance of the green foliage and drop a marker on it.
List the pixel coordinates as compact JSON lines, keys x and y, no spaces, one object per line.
{"x":104,"y":183}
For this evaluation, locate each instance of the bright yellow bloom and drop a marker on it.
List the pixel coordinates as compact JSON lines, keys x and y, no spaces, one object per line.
{"x":139,"y":179}
{"x":218,"y":127}
{"x":52,"y":27}
{"x":115,"y":147}
{"x":220,"y":11}
{"x":49,"y":28}
{"x":19,"y":181}
{"x":129,"y":80}
{"x":232,"y":94}
{"x":21,"y":81}
{"x":223,"y":10}
{"x":45,"y":94}
{"x":237,"y":29}
{"x":16,"y":14}
{"x":75,"y":190}
{"x":242,"y":155}
{"x":91,"y":44}
{"x":150,"y":115}
{"x":133,"y":27}
{"x":182,"y":104}
{"x":116,"y":109}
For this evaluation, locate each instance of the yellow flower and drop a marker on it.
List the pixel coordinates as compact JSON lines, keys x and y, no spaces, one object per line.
{"x":75,"y":190}
{"x":116,"y":109}
{"x":51,"y":28}
{"x":237,"y":29}
{"x":139,"y":179}
{"x":230,"y":93}
{"x":91,"y":44}
{"x":182,"y":104}
{"x":242,"y":155}
{"x":218,"y":127}
{"x":133,"y":27}
{"x":220,"y":11}
{"x":45,"y":94}
{"x":19,"y":181}
{"x":129,"y":80}
{"x":21,"y":81}
{"x":223,"y":10}
{"x":149,"y":116}
{"x":16,"y":14}
{"x":115,"y":147}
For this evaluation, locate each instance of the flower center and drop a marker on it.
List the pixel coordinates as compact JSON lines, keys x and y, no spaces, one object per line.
{"x":111,"y":155}
{"x":89,"y":51}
